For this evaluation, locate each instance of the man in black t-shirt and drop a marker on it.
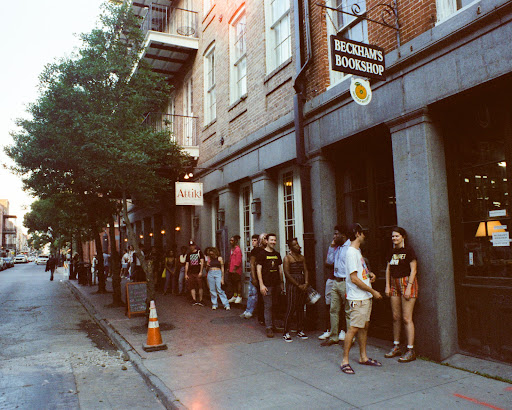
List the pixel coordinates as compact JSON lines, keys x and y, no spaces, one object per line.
{"x":194,"y":264}
{"x":271,"y":280}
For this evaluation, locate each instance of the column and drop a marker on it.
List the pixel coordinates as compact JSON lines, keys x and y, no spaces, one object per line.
{"x":264,"y":188}
{"x":423,"y":210}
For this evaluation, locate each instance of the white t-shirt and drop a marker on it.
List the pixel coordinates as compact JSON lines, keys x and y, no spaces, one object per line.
{"x":354,"y":262}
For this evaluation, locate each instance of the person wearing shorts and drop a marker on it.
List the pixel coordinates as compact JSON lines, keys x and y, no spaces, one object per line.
{"x":402,"y":288}
{"x":359,"y":296}
{"x":194,"y":265}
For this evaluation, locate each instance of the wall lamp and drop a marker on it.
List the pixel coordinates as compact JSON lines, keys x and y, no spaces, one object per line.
{"x":256,"y":206}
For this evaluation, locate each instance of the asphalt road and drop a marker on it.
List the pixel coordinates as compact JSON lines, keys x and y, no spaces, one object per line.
{"x":53,"y":355}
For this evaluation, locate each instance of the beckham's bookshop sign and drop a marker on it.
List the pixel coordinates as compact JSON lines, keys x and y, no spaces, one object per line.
{"x":189,"y":193}
{"x":353,"y":57}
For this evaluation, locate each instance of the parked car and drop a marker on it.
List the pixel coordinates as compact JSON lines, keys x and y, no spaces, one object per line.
{"x":2,"y":264}
{"x":9,"y":261}
{"x":21,"y":259}
{"x":42,"y":259}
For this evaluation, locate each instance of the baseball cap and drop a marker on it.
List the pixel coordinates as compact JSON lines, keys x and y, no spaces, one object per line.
{"x":191,"y":243}
{"x":356,"y":227}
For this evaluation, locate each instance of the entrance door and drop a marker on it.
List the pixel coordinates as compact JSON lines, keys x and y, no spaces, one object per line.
{"x":479,"y":159}
{"x":365,"y":193}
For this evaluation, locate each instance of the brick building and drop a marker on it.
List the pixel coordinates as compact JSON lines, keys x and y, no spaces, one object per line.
{"x":429,"y":152}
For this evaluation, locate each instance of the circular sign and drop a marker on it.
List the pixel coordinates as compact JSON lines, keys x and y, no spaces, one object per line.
{"x":361,"y":91}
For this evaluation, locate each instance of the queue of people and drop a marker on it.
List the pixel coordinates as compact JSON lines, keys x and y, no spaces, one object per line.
{"x":348,"y":289}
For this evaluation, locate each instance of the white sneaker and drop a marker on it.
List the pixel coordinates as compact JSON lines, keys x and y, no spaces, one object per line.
{"x":325,"y":335}
{"x":232,"y":300}
{"x":248,"y":315}
{"x":238,"y":299}
{"x":227,"y":307}
{"x":214,"y":307}
{"x":243,"y":315}
{"x":342,"y":335}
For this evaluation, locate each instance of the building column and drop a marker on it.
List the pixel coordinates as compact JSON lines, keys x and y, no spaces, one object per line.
{"x":323,"y":191}
{"x":228,"y":201}
{"x":264,"y":189}
{"x":423,"y":210}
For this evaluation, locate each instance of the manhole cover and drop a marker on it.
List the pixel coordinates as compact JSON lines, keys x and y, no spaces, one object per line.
{"x":142,"y":329}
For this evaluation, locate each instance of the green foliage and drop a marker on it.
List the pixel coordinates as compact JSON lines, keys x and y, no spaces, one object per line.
{"x":85,"y":138}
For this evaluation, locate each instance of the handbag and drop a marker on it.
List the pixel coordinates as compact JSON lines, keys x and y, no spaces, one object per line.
{"x":312,"y":296}
{"x":163,"y":273}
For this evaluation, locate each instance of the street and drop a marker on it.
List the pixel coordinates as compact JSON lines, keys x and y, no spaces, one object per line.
{"x":53,"y":355}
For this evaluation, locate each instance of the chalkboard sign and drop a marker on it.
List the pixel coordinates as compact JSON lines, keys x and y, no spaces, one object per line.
{"x":136,"y":295}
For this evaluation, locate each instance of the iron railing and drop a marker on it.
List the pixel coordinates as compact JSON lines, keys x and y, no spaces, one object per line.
{"x":170,"y":20}
{"x":183,"y":128}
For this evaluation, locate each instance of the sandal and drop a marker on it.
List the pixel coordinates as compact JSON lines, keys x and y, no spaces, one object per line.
{"x":347,"y":369}
{"x":371,"y":362}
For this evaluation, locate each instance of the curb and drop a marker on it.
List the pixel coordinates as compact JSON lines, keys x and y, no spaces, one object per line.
{"x":165,"y":395}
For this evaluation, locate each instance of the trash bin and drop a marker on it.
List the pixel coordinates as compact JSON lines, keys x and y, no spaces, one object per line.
{"x":83,"y":269}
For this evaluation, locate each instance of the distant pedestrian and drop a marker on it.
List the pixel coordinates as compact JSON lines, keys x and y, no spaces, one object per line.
{"x":106,"y":264}
{"x":252,"y":299}
{"x":171,"y":263}
{"x":138,"y":273}
{"x":125,"y":264}
{"x":194,"y":272}
{"x":329,"y":280}
{"x":51,"y":264}
{"x":296,"y":274}
{"x":215,"y":269}
{"x":336,"y":256}
{"x":181,"y":278}
{"x":402,"y":287}
{"x":271,"y":280}
{"x":94,"y":271}
{"x":359,"y":295}
{"x":235,"y":270}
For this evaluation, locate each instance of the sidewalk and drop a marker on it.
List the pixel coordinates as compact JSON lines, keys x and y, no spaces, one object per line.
{"x":216,"y":360}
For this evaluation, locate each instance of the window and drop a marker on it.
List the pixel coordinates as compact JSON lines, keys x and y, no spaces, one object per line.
{"x":238,"y":56}
{"x":347,"y":25}
{"x":279,"y":47}
{"x":290,"y":209}
{"x":446,"y":8}
{"x":246,"y":224}
{"x":210,"y":109}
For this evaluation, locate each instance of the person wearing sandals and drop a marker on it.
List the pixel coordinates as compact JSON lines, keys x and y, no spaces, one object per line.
{"x":359,"y":296}
{"x":215,"y":269}
{"x":296,"y":274}
{"x":402,"y":288}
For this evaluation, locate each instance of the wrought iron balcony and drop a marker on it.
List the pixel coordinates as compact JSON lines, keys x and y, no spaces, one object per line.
{"x":171,"y":36}
{"x":183,"y":129}
{"x":170,"y":20}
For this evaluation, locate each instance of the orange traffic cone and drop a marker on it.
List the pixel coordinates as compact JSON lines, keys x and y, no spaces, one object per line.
{"x":154,"y":337}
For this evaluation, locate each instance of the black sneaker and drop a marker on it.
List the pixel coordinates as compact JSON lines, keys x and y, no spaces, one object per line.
{"x":287,"y":337}
{"x":302,"y":335}
{"x":395,"y":351}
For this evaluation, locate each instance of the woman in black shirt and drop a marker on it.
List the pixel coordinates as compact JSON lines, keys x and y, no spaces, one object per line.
{"x":402,"y":288}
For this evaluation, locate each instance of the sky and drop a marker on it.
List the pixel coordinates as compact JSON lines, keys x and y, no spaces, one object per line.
{"x":35,"y":33}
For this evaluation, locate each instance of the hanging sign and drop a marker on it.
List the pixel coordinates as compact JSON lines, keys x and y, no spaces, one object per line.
{"x":353,"y":57}
{"x":361,"y":91}
{"x":189,"y":193}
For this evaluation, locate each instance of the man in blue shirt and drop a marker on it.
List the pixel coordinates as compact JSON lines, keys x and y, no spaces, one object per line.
{"x":336,"y":256}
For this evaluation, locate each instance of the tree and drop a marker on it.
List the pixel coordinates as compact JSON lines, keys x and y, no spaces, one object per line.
{"x":86,"y":135}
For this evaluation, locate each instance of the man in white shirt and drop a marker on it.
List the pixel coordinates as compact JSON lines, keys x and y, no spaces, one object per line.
{"x":359,"y":296}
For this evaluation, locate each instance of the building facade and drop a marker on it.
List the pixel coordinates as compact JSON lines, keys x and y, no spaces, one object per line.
{"x":429,"y":153}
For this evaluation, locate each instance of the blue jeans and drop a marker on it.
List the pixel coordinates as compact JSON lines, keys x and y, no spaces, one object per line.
{"x":214,"y":279}
{"x":181,"y":280}
{"x":252,"y":299}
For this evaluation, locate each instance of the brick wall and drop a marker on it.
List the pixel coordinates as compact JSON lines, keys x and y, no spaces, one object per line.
{"x":269,"y":95}
{"x":416,"y":17}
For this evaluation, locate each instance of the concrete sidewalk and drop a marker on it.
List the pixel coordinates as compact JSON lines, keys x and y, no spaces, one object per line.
{"x":217,"y":360}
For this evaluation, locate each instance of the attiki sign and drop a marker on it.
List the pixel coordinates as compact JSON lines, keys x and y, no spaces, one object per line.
{"x":189,"y":193}
{"x":353,"y":57}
